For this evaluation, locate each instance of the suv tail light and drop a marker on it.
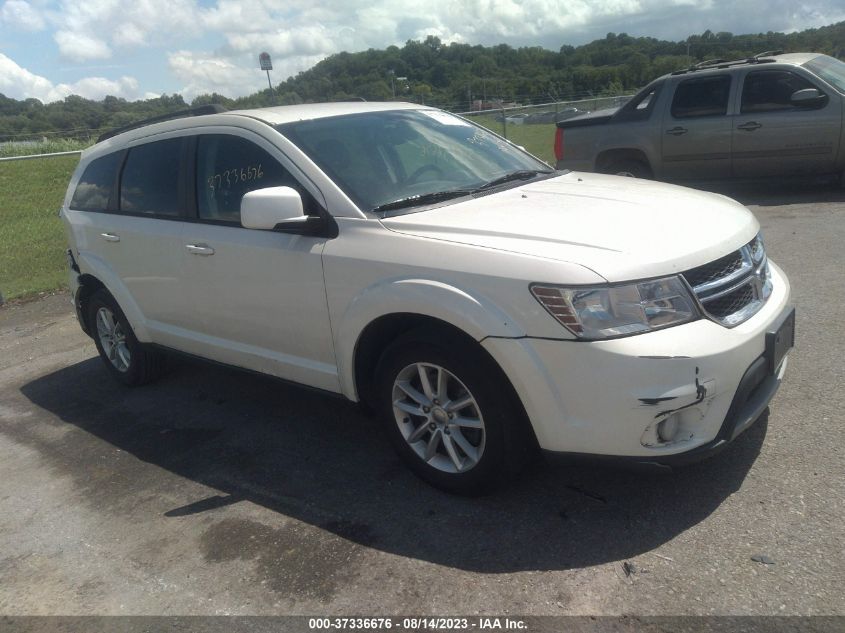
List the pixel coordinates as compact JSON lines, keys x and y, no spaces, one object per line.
{"x":559,"y":143}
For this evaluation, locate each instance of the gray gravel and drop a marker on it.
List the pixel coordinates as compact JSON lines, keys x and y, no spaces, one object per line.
{"x":219,"y":492}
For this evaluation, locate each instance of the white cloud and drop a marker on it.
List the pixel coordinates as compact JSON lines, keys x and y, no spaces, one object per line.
{"x":19,"y":83}
{"x":229,"y":74}
{"x":91,"y":29}
{"x":203,"y":73}
{"x":79,"y":47}
{"x":19,"y":14}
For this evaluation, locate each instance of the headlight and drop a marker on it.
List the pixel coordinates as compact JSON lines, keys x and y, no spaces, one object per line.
{"x":608,"y":311}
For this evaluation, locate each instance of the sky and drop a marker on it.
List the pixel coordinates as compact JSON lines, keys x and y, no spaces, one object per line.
{"x":139,"y":49}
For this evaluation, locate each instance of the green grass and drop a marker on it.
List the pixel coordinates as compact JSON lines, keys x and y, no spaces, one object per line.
{"x":44,"y":147}
{"x":32,"y":238}
{"x":539,"y":139}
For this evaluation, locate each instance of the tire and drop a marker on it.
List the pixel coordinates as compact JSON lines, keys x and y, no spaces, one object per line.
{"x":629,"y":167}
{"x":126,"y":359}
{"x":463,"y":432}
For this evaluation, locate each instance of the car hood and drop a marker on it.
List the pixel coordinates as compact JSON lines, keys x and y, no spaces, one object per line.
{"x":620,"y":228}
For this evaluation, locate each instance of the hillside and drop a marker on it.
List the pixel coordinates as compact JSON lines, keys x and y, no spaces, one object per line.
{"x":450,"y":76}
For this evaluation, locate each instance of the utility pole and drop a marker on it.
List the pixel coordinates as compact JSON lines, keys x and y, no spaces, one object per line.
{"x":392,"y":74}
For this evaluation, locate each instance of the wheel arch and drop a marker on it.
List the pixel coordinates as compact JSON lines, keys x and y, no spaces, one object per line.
{"x":88,"y":285}
{"x":392,"y":307}
{"x":608,"y":157}
{"x":99,"y":274}
{"x":389,"y":328}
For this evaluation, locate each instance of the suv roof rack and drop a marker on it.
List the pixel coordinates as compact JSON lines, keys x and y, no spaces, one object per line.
{"x":760,"y":58}
{"x":211,"y":108}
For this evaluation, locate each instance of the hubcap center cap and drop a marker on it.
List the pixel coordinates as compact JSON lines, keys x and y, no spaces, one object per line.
{"x":440,"y":416}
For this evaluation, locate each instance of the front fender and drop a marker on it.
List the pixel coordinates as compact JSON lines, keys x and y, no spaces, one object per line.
{"x":475,"y":315}
{"x":91,"y":264}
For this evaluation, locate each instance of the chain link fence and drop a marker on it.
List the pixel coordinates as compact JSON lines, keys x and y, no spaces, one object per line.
{"x":533,"y":126}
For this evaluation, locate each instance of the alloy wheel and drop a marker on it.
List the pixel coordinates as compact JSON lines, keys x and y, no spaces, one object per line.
{"x":438,"y":417}
{"x":113,"y":339}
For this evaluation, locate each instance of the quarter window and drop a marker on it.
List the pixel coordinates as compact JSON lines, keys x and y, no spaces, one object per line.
{"x":95,"y":187}
{"x":705,"y":96}
{"x":150,"y":180}
{"x":768,"y":90}
{"x":228,"y":167}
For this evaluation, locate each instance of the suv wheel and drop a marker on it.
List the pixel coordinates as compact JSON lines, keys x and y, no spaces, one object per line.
{"x":630,"y":168}
{"x":126,"y":359}
{"x":446,"y":413}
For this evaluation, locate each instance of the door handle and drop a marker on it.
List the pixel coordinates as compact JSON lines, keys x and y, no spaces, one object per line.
{"x":110,"y":237}
{"x":750,"y":126}
{"x":677,"y":131}
{"x":199,"y":249}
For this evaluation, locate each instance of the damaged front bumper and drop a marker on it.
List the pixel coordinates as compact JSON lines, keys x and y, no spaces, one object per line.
{"x":663,"y":398}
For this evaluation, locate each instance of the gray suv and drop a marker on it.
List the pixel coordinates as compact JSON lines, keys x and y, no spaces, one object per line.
{"x":771,"y":115}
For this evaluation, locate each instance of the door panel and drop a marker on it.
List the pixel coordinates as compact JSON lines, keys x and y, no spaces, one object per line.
{"x":772,"y":137}
{"x":697,"y":131}
{"x":257,"y":298}
{"x":137,"y":250}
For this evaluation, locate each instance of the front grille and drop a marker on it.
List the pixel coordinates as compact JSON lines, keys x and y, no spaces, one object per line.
{"x":732,"y":302}
{"x":734,"y":287}
{"x":722,"y":267}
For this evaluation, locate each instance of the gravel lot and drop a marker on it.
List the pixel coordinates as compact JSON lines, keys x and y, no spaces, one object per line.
{"x":219,"y":492}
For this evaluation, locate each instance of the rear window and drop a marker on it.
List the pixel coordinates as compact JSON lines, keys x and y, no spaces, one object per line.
{"x":705,"y":96}
{"x":95,"y":187}
{"x":640,"y":107}
{"x":150,"y":180}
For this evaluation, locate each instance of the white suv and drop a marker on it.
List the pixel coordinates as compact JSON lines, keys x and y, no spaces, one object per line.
{"x":483,"y":303}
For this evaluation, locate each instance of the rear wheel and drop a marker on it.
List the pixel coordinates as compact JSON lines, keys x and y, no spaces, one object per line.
{"x":126,"y":359}
{"x":630,"y":168}
{"x":447,"y":413}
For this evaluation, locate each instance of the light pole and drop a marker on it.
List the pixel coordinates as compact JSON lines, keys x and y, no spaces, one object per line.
{"x":266,"y":64}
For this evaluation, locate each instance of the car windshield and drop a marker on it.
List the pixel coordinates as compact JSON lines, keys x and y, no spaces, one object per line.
{"x":830,"y":69}
{"x":406,"y":158}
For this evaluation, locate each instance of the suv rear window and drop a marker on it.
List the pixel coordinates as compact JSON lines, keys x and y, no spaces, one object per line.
{"x":95,"y":187}
{"x":150,"y":180}
{"x":704,"y":96}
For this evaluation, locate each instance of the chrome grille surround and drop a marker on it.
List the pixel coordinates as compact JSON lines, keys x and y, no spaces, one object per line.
{"x":731,"y":289}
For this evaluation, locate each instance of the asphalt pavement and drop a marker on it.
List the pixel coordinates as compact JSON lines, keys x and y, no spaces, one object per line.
{"x":215,"y":491}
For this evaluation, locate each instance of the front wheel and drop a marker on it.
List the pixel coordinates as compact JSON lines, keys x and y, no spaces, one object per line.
{"x":447,"y":414}
{"x":125,"y":358}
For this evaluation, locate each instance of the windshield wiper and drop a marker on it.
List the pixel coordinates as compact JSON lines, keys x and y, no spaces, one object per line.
{"x":421,"y":199}
{"x":522,"y":174}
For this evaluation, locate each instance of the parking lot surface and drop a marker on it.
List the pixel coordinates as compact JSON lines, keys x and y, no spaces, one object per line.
{"x":214,"y":491}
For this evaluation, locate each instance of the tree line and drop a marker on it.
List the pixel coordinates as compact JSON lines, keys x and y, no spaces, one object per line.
{"x":451,"y":76}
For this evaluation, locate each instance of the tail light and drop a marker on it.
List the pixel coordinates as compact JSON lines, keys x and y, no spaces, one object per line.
{"x":559,"y":143}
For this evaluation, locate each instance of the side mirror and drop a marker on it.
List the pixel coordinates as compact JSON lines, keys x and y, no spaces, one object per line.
{"x":809,"y":97}
{"x":267,"y":208}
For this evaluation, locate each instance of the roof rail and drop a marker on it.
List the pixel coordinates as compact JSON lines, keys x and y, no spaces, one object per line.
{"x":767,"y":54}
{"x":211,"y":108}
{"x":720,"y":63}
{"x":709,"y":62}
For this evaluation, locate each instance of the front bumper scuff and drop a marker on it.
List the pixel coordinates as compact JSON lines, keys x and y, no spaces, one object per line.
{"x":607,"y":399}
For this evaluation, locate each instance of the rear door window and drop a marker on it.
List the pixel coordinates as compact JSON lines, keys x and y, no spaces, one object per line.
{"x":150,"y":182}
{"x":700,"y":97}
{"x":95,"y":187}
{"x":769,"y":90}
